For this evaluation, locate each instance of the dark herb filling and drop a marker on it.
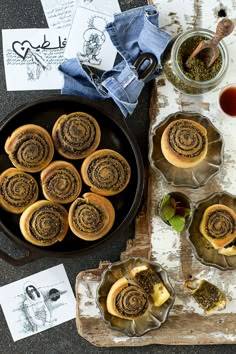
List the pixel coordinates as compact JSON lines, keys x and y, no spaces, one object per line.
{"x":208,"y":295}
{"x":219,"y":224}
{"x":132,"y":301}
{"x":197,"y":69}
{"x":87,"y":217}
{"x":199,"y":74}
{"x":108,"y":172}
{"x":76,"y":135}
{"x":62,"y":184}
{"x":186,"y":140}
{"x":47,"y":223}
{"x":18,"y":190}
{"x":147,"y":279}
{"x":31,"y":150}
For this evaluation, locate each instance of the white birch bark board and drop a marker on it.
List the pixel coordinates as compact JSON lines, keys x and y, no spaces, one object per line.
{"x":187,"y":323}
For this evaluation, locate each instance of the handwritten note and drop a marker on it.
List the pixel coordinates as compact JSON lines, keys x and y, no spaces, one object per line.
{"x":89,"y":41}
{"x":38,"y":302}
{"x":59,"y":13}
{"x":31,"y":58}
{"x":108,"y":7}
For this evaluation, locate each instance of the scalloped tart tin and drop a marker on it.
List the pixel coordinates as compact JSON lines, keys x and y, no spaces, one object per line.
{"x":198,"y":175}
{"x":154,"y":317}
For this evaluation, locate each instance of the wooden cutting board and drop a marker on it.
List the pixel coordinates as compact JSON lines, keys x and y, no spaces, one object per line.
{"x":154,"y":240}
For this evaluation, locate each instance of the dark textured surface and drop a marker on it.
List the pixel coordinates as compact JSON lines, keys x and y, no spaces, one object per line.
{"x":64,"y":338}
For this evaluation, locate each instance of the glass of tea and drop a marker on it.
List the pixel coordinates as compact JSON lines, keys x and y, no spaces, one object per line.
{"x":227,"y":100}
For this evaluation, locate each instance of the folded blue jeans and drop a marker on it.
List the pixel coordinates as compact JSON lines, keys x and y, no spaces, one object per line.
{"x":132,"y":32}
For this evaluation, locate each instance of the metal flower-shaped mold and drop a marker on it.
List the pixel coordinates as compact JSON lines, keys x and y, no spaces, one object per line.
{"x":198,"y":175}
{"x":202,"y":249}
{"x":154,"y":316}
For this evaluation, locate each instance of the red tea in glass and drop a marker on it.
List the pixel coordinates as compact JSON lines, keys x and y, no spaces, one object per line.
{"x":227,"y":100}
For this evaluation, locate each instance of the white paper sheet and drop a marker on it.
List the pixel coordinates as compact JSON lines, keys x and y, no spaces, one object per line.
{"x":59,"y":13}
{"x":108,"y":7}
{"x":31,"y":58}
{"x":38,"y":302}
{"x":88,"y":40}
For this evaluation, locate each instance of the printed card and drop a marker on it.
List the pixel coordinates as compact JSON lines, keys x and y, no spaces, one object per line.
{"x":89,"y":41}
{"x":31,"y":58}
{"x":38,"y":302}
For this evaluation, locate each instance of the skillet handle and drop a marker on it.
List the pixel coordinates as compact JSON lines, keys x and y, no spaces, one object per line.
{"x":30,"y":257}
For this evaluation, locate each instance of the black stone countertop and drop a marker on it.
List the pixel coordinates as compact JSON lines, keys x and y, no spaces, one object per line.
{"x":64,"y":338}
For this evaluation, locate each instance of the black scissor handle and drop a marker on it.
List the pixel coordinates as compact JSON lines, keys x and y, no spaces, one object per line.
{"x":149,"y":69}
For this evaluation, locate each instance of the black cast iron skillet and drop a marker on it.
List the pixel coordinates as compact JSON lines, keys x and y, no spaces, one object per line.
{"x":114,"y":135}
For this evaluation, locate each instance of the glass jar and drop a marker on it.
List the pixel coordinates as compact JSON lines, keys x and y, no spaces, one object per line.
{"x":175,"y":74}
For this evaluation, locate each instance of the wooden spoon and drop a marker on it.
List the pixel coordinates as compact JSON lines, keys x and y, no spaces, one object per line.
{"x":207,"y":50}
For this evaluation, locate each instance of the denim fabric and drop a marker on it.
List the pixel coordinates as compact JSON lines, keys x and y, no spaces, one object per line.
{"x":123,"y":86}
{"x":121,"y":83}
{"x":137,"y":31}
{"x":132,"y":32}
{"x":77,"y":81}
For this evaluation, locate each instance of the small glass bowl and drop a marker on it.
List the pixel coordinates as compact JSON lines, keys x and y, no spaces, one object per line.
{"x":185,"y":202}
{"x":154,"y":316}
{"x":198,"y":175}
{"x":227,"y":99}
{"x":202,"y":249}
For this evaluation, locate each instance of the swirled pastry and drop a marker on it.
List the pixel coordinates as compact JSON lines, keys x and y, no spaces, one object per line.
{"x":61,"y":182}
{"x":18,"y":190}
{"x":91,"y":217}
{"x":76,"y":135}
{"x":127,"y":301}
{"x":229,"y":250}
{"x":106,"y":172}
{"x":30,"y":148}
{"x":209,"y":297}
{"x":151,"y":283}
{"x":184,"y":143}
{"x":44,"y":223}
{"x":218,"y":225}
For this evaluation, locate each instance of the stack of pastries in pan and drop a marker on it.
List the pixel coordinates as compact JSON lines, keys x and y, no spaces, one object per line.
{"x":31,"y":148}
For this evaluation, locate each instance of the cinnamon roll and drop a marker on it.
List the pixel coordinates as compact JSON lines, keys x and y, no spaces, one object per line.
{"x":106,"y":172}
{"x":30,"y":148}
{"x":61,"y":182}
{"x":76,"y":135}
{"x":91,"y":217}
{"x":44,"y":223}
{"x":184,"y":143}
{"x":18,"y":190}
{"x":218,"y":225}
{"x":127,"y":301}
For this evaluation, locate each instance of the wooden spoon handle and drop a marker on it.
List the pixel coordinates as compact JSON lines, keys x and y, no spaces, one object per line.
{"x":223,"y":29}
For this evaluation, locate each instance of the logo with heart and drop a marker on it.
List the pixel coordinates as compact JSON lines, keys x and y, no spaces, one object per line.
{"x":21,"y":48}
